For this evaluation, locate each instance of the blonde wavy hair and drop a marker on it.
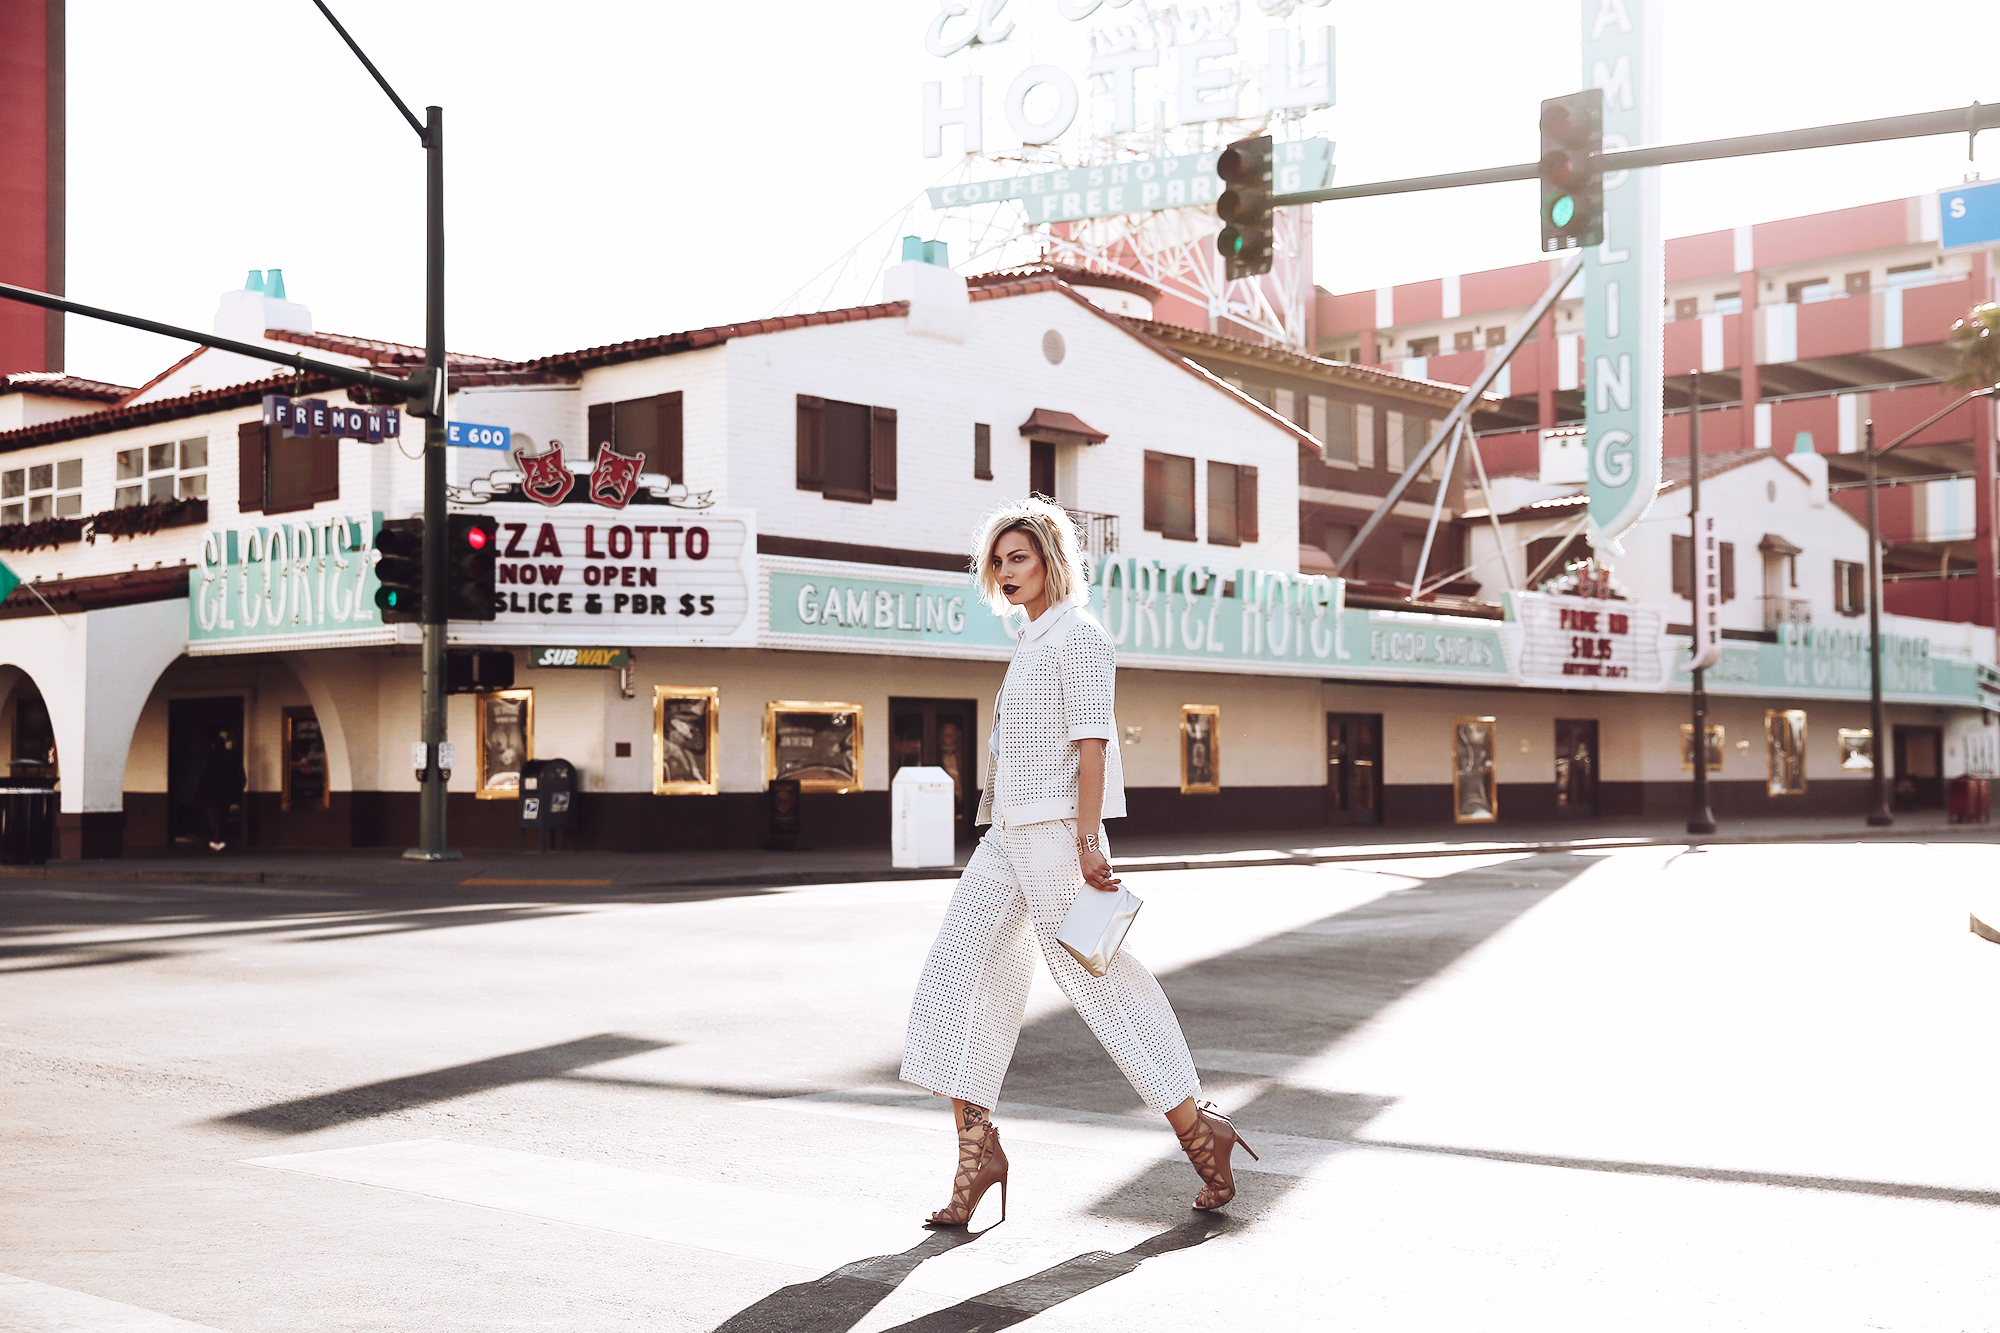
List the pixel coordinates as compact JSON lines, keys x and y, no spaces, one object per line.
{"x":1051,"y":532}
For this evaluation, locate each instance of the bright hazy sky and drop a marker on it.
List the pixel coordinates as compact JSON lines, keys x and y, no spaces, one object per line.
{"x":618,"y":168}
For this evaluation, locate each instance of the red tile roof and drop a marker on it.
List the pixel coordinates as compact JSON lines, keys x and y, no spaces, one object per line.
{"x":55,"y":384}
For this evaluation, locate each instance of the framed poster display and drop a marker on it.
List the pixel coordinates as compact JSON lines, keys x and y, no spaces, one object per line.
{"x":685,"y":757}
{"x":506,"y":741}
{"x":1201,"y":748}
{"x":305,"y":782}
{"x":1857,"y":749}
{"x":1785,"y":744}
{"x":818,"y":745}
{"x":1714,"y":748}
{"x":1475,"y":797}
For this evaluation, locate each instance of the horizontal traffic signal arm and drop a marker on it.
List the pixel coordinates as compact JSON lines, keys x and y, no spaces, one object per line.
{"x":346,"y":374}
{"x":1926,"y":124}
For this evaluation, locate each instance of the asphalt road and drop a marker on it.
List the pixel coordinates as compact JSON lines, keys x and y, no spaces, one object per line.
{"x":1657,"y":1088}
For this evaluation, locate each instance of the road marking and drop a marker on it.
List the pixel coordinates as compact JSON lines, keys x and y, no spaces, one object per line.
{"x":489,"y":883}
{"x":37,"y":1307}
{"x":805,"y":1231}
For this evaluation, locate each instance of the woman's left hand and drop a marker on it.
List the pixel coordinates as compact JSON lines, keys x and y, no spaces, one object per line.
{"x":1097,"y":871}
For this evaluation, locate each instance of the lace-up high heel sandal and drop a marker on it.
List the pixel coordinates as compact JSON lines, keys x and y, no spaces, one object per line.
{"x":981,"y":1165}
{"x":1208,"y":1146}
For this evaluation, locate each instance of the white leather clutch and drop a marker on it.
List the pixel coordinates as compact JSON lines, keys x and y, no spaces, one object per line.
{"x":1095,"y":927}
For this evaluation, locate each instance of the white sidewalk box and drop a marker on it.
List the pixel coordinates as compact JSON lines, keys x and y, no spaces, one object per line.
{"x":921,"y":818}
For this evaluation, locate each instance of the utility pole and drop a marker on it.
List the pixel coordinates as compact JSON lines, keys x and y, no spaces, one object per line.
{"x":1701,"y":819}
{"x":1878,"y":781}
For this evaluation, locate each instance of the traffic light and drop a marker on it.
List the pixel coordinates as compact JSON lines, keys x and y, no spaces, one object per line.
{"x":470,"y":547}
{"x":399,"y":568}
{"x":1572,"y":181}
{"x":1246,"y":206}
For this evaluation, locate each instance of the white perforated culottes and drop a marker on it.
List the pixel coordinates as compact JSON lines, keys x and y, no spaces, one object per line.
{"x":967,"y":1013}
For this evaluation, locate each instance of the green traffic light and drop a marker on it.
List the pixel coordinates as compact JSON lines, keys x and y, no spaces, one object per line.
{"x":393,"y":597}
{"x":1562,"y":211}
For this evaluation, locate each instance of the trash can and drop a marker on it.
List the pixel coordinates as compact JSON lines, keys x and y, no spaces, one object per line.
{"x":921,"y":818}
{"x":1970,"y":801}
{"x":548,"y":796}
{"x":27,"y":825}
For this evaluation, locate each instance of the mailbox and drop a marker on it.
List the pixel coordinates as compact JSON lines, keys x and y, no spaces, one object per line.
{"x":548,"y":794}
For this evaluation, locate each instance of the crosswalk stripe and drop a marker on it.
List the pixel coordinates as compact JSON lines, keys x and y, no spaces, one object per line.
{"x":27,"y":1306}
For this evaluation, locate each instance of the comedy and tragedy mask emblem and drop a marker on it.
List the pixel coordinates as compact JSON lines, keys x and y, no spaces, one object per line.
{"x":614,"y":479}
{"x":543,"y":476}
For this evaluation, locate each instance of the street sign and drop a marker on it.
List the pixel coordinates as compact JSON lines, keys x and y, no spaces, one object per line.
{"x":1624,"y":277}
{"x":1969,"y":217}
{"x":1147,"y":185}
{"x":466,"y":435}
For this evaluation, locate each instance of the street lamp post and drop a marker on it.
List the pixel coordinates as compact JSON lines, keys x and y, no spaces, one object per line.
{"x":1701,"y":819}
{"x":1878,"y":784}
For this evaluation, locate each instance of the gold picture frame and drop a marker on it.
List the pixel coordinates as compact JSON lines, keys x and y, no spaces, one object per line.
{"x":307,"y":785}
{"x":1201,"y":749}
{"x":1785,"y":749}
{"x":1715,"y":747}
{"x":824,"y":741}
{"x":686,"y":759}
{"x":506,"y":739}
{"x":1475,"y":792}
{"x":1857,"y":749}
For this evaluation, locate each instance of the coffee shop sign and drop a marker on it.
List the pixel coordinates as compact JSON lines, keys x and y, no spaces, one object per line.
{"x":1183,"y":59}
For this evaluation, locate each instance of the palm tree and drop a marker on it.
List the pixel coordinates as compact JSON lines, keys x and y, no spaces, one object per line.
{"x":1975,"y":343}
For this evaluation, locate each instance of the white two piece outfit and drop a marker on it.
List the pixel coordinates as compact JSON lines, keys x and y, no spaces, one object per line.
{"x":1025,"y":874}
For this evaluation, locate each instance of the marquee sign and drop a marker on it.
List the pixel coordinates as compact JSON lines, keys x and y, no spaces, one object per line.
{"x":1578,"y":642}
{"x":575,"y":575}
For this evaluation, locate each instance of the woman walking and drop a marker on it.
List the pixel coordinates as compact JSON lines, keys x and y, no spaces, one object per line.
{"x":1053,"y":777}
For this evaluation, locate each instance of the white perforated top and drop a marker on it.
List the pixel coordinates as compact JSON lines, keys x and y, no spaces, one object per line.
{"x":1058,"y":690}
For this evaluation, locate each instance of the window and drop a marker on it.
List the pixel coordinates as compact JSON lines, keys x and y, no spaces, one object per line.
{"x":982,"y":452}
{"x":649,"y":427}
{"x":1808,"y":289}
{"x":159,"y":473}
{"x":846,"y":451}
{"x":1729,"y":303}
{"x":46,"y":490}
{"x":276,"y":475}
{"x":1464,"y":340}
{"x":1042,"y":468}
{"x":1725,"y":561}
{"x":1687,"y":307}
{"x":1169,"y":498}
{"x":1423,"y":347}
{"x":1332,"y":424}
{"x":1545,"y":562}
{"x":1262,"y":393}
{"x":1905,"y":275}
{"x":1848,"y":597}
{"x":1287,"y":405}
{"x":1413,"y":550}
{"x":1496,"y":336}
{"x":1339,"y":536}
{"x":1232,"y":504}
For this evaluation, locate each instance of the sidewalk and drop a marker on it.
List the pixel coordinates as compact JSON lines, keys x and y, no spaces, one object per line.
{"x":485,"y":869}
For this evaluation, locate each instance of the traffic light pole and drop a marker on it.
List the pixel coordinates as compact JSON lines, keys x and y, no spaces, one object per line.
{"x":431,"y":800}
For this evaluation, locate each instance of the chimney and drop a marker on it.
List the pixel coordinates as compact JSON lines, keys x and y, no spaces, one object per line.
{"x":1811,"y":462}
{"x":940,"y":306}
{"x":258,"y":306}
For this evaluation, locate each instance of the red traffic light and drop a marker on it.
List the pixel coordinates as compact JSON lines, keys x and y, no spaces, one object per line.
{"x":476,"y":538}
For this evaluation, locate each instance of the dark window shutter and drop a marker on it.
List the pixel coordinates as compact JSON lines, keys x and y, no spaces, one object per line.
{"x":1683,"y":556}
{"x":1156,"y":492}
{"x":325,"y":470}
{"x":882,"y":453}
{"x":1246,"y":504}
{"x":603,"y":425}
{"x":1177,"y":498}
{"x":982,"y":452}
{"x":1223,"y":506}
{"x":250,"y":467}
{"x":812,"y":442}
{"x":671,"y":454}
{"x":1727,"y":550}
